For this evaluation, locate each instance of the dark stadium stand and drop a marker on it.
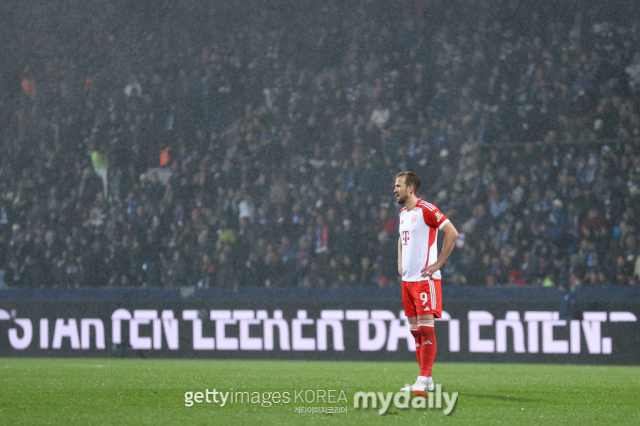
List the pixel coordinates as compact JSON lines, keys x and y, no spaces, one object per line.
{"x":257,"y":145}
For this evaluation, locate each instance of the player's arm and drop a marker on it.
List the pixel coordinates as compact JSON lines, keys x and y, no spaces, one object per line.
{"x":400,"y":255}
{"x":450,"y":237}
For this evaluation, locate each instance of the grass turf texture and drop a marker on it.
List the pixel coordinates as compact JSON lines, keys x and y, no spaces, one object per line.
{"x":151,"y":392}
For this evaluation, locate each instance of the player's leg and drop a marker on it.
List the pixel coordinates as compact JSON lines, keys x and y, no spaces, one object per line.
{"x":410,"y":312}
{"x":432,"y":308}
{"x":409,"y":303}
{"x":426,"y":327}
{"x":415,"y":332}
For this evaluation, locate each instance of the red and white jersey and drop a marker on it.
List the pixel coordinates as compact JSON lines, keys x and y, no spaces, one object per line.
{"x":418,"y":237}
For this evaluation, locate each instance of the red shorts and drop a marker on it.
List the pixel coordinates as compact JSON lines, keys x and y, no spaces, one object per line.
{"x":422,"y":298}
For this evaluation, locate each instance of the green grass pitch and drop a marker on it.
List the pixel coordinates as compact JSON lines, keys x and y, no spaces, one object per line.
{"x":152,"y":392}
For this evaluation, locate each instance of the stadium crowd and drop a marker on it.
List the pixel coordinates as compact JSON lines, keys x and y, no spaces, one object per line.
{"x":284,"y":124}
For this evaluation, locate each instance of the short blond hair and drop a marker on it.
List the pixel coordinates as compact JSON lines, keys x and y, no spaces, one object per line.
{"x":411,"y":179}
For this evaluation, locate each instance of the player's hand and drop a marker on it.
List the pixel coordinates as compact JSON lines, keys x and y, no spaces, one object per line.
{"x":427,"y":271}
{"x":400,"y":269}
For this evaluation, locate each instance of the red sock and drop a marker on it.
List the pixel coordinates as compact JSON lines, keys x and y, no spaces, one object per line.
{"x":428,"y":348}
{"x":416,"y":335}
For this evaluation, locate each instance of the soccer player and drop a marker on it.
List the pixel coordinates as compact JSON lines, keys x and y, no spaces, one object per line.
{"x":419,"y":265}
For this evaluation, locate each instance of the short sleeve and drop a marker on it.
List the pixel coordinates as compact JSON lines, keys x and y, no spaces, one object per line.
{"x":433,"y":217}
